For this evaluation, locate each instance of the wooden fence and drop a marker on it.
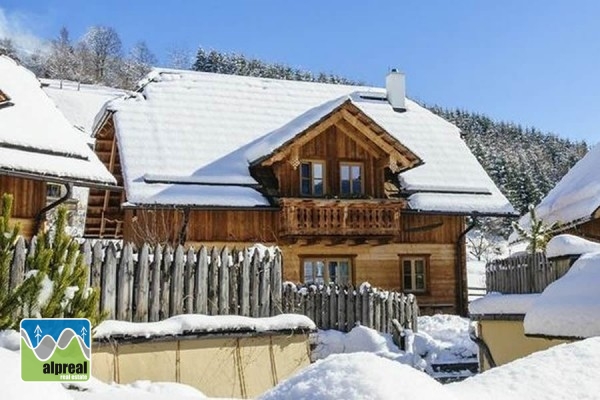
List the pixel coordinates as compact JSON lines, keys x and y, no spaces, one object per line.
{"x":530,"y":273}
{"x":341,"y":307}
{"x":152,"y":284}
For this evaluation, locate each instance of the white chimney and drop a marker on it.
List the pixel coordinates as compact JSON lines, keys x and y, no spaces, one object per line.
{"x":395,"y":85}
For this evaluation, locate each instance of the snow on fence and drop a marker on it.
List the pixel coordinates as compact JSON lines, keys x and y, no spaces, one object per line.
{"x":529,"y":273}
{"x":152,"y":284}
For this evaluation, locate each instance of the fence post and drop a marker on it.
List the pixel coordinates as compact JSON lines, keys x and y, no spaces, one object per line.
{"x":142,"y":283}
{"x":109,"y":283}
{"x":201,"y":286}
{"x":224,"y":282}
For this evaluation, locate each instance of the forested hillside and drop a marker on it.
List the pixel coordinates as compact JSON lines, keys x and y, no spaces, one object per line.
{"x":525,"y":163}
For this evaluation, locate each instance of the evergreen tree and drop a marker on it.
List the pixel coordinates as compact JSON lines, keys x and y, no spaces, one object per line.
{"x":537,"y":234}
{"x":56,"y":284}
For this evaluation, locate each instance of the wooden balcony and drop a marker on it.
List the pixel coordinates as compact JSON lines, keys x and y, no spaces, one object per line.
{"x":316,"y":217}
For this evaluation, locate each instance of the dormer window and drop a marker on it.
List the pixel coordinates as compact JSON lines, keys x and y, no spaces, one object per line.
{"x":351,"y":176}
{"x":312,"y":178}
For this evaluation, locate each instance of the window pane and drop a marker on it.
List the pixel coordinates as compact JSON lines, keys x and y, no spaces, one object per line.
{"x":344,"y":273}
{"x":345,"y":189}
{"x":356,"y":186}
{"x":333,"y":271}
{"x":345,"y":172}
{"x":419,"y":266}
{"x":407,"y":266}
{"x":319,"y":272}
{"x":317,"y":171}
{"x":407,"y":282}
{"x":308,"y":272}
{"x":305,"y":187}
{"x":305,"y":170}
{"x":356,"y":172}
{"x":420,"y":282}
{"x":318,"y":189}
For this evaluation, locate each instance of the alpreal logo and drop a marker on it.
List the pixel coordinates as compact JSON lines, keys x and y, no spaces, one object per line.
{"x":56,"y":349}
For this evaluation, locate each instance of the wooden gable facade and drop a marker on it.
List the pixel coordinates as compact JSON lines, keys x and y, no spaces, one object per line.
{"x":336,"y":213}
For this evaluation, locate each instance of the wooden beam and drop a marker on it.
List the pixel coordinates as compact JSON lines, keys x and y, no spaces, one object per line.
{"x":378,"y":140}
{"x":350,"y":131}
{"x":304,"y":138}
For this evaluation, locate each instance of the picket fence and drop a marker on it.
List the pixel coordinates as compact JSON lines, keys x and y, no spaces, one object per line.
{"x":149,"y":284}
{"x":529,"y":273}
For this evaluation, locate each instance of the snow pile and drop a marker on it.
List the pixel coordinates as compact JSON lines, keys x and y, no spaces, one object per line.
{"x":14,"y":388}
{"x":476,"y":274}
{"x":444,"y":339}
{"x":359,"y":339}
{"x":441,"y":339}
{"x":10,"y":340}
{"x":568,"y":245}
{"x":568,"y":371}
{"x":138,"y":390}
{"x":497,"y":303}
{"x":197,"y":323}
{"x":358,"y":376}
{"x":569,"y":306}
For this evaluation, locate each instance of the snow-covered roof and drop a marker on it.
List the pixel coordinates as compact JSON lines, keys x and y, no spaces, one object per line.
{"x":185,"y":128}
{"x":570,"y":245}
{"x":570,"y":306}
{"x":497,"y":303}
{"x":36,"y":139}
{"x":575,"y":197}
{"x":80,"y":103}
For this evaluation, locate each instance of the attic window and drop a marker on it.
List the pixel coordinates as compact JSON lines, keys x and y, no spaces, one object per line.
{"x":4,"y":99}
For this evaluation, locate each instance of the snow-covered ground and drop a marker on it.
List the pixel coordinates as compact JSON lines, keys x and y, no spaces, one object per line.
{"x":440,"y":339}
{"x":564,"y":372}
{"x":369,"y":366}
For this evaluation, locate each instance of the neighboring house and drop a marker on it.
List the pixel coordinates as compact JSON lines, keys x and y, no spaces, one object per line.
{"x":39,"y":146}
{"x":79,"y":103}
{"x":574,"y":203}
{"x":354,"y":184}
{"x":514,"y":325}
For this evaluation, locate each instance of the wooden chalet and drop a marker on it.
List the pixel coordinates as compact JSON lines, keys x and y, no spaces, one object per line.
{"x":354,"y":184}
{"x":38,"y":146}
{"x":574,"y":203}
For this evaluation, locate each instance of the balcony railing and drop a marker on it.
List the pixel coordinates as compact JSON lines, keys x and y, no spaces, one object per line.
{"x":316,"y":217}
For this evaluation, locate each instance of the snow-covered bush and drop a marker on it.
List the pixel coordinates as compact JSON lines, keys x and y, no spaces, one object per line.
{"x":56,"y":282}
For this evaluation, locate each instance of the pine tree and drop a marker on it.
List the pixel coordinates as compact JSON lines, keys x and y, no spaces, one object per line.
{"x":70,"y":298}
{"x":537,"y":234}
{"x":56,"y":285}
{"x":9,"y":301}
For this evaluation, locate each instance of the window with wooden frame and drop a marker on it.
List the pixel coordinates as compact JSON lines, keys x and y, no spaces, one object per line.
{"x":414,"y":270}
{"x":323,"y":270}
{"x":312,"y":178}
{"x":351,"y":178}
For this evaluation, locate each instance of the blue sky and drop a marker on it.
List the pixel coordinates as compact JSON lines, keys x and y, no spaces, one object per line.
{"x":536,"y":63}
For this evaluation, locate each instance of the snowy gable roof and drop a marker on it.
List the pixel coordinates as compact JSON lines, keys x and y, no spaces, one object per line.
{"x":80,"y":103}
{"x":188,"y":126}
{"x":576,"y":197}
{"x":35,"y":138}
{"x":570,"y":306}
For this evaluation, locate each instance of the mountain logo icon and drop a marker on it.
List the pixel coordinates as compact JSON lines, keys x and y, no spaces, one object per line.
{"x":56,"y":349}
